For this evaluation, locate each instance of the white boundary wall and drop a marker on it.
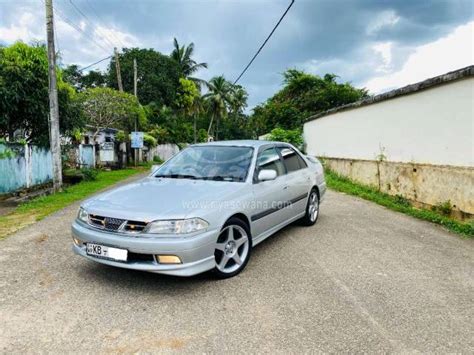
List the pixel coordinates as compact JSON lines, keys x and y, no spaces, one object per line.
{"x":431,"y":126}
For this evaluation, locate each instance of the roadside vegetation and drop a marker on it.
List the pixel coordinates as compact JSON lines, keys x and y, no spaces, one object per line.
{"x":397,"y":203}
{"x":38,"y":208}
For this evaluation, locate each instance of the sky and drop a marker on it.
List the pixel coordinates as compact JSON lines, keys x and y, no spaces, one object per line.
{"x":376,"y":44}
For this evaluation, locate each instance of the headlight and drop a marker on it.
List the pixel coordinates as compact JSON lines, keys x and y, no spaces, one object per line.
{"x":83,"y":215}
{"x":177,"y":226}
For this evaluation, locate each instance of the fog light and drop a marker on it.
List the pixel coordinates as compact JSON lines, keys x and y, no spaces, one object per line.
{"x":168,"y":259}
{"x":78,"y":242}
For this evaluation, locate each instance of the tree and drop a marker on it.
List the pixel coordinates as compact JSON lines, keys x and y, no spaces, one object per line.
{"x":24,"y":94}
{"x":187,"y":101}
{"x":80,"y":81}
{"x":217,"y":98}
{"x":187,"y":66}
{"x":158,"y":75}
{"x":109,"y":108}
{"x":303,"y":95}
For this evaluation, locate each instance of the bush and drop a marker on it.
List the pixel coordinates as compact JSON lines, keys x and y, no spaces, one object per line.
{"x":149,"y":140}
{"x":157,"y":159}
{"x":444,"y":208}
{"x":293,"y":136}
{"x":89,"y":174}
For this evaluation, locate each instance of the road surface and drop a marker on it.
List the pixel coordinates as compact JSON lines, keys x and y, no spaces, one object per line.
{"x":363,"y":279}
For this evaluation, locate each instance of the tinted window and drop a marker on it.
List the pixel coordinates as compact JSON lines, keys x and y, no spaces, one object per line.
{"x":212,"y":162}
{"x":291,"y":159}
{"x":269,"y":159}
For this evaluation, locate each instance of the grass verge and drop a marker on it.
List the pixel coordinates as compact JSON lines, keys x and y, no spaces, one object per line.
{"x":38,"y":208}
{"x":396,"y":203}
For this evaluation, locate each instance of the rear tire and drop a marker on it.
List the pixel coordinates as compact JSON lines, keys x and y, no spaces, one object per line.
{"x":233,"y":248}
{"x":312,"y":209}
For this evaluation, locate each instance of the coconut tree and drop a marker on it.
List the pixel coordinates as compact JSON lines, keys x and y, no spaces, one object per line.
{"x":238,"y":100}
{"x":218,"y":99}
{"x":187,"y":65}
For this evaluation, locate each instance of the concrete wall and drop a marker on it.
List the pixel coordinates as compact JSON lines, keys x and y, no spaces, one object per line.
{"x":432,"y":126}
{"x":29,"y":166}
{"x":419,"y":145}
{"x":423,"y":183}
{"x":164,"y":151}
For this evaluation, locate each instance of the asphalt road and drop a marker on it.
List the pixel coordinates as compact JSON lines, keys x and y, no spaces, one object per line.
{"x":363,"y":279}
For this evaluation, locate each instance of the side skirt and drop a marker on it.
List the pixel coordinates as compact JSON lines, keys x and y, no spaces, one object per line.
{"x":260,"y":238}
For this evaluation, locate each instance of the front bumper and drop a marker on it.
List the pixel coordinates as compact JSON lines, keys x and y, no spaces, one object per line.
{"x":196,"y":252}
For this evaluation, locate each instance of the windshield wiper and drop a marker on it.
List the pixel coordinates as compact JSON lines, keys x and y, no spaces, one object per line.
{"x":220,"y":178}
{"x":177,"y":176}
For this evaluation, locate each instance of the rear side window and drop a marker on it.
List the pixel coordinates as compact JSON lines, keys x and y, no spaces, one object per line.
{"x":269,"y":159}
{"x":292,"y":160}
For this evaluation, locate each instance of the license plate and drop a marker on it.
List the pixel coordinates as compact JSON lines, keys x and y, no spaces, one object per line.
{"x":103,"y":251}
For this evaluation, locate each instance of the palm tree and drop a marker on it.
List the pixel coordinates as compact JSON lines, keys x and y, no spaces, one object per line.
{"x":196,"y":108}
{"x":218,"y":99}
{"x":182,"y":55}
{"x":238,"y":99}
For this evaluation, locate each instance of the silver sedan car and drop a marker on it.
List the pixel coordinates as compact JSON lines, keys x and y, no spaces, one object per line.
{"x":204,"y":209}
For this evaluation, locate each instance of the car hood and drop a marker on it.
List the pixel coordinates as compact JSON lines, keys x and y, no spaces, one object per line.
{"x":161,"y":198}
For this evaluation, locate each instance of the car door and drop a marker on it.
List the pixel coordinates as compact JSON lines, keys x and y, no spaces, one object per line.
{"x":298,"y":179}
{"x":271,"y":197}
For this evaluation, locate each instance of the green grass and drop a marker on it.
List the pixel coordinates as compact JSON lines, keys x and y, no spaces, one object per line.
{"x":396,"y":203}
{"x":38,"y":208}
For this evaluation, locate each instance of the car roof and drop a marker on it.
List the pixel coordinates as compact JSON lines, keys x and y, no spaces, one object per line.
{"x":239,"y":143}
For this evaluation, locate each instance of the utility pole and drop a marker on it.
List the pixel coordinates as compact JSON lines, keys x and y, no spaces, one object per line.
{"x":135,"y":93}
{"x":117,"y":69}
{"x":54,"y":138}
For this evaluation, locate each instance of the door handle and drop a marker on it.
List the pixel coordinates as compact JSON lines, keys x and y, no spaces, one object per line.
{"x":285,"y":188}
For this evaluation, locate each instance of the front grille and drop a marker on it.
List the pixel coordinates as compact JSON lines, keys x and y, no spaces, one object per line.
{"x":107,"y":223}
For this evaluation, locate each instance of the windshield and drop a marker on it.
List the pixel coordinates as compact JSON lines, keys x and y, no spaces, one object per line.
{"x":220,"y":163}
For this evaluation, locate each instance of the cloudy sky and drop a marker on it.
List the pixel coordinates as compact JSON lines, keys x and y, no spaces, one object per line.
{"x":372,"y":43}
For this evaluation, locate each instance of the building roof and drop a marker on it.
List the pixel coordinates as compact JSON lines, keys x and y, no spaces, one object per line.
{"x":406,"y":90}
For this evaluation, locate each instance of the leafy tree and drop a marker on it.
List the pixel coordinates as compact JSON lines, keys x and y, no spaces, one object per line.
{"x":188,"y":101}
{"x":24,"y":101}
{"x":302,"y":95}
{"x":218,"y":98}
{"x":105,"y":107}
{"x":158,"y":75}
{"x":293,"y":136}
{"x":80,"y":81}
{"x":187,"y":93}
{"x":182,"y":55}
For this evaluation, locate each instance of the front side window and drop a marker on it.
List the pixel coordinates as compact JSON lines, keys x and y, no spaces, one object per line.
{"x":269,"y":159}
{"x":291,"y":159}
{"x":221,"y":163}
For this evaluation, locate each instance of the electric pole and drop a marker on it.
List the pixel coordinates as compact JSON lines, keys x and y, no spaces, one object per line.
{"x":117,"y":69}
{"x":54,"y":138}
{"x":135,"y":93}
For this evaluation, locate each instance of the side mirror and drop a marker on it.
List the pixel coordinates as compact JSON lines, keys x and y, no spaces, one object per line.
{"x":266,"y":175}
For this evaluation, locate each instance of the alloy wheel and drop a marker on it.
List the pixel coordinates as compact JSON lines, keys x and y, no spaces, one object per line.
{"x":232,"y":249}
{"x":313,"y":206}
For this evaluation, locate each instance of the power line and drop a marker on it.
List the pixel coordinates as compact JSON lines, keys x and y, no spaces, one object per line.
{"x":101,"y":21}
{"x":91,"y":65}
{"x":79,"y":11}
{"x":265,"y":42}
{"x":78,"y":29}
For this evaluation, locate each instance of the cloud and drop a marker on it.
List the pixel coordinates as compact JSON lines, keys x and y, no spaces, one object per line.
{"x":359,"y":40}
{"x":388,"y":18}
{"x":452,"y":52}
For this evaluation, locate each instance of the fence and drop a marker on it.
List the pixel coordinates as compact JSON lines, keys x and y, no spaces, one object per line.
{"x":23,"y":166}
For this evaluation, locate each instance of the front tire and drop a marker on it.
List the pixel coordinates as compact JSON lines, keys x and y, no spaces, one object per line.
{"x":233,"y":248}
{"x":312,"y":209}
